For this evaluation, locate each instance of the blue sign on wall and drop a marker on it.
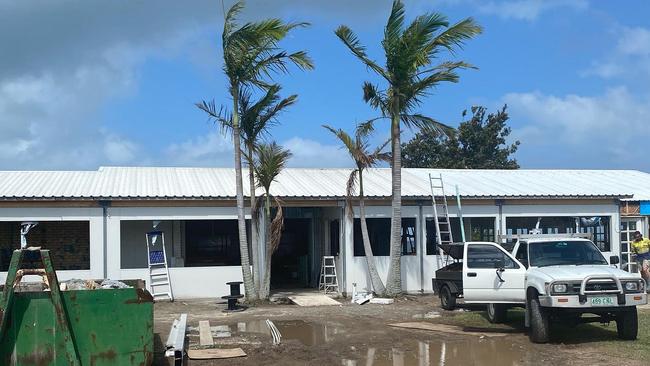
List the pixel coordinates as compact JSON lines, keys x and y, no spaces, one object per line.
{"x":645,"y":208}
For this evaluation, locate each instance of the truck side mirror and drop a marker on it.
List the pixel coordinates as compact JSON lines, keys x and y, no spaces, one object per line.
{"x":614,"y":259}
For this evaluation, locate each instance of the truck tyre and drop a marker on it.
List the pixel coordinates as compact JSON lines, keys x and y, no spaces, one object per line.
{"x":539,"y":324}
{"x":497,"y":313}
{"x":627,"y":324}
{"x":447,"y":299}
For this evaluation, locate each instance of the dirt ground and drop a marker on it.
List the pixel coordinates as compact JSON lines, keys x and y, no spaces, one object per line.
{"x":352,"y":335}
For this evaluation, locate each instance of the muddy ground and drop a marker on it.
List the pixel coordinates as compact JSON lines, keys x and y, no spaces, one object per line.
{"x":351,"y":334}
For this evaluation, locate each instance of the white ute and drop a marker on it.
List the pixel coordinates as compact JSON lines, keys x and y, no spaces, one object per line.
{"x":554,"y":279}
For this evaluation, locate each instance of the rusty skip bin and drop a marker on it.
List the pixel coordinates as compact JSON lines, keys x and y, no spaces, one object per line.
{"x":42,"y":325}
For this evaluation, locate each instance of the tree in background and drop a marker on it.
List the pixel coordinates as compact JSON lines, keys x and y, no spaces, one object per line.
{"x":409,"y":74}
{"x":359,"y":149}
{"x":479,"y":143}
{"x":251,"y":53}
{"x":270,"y":160}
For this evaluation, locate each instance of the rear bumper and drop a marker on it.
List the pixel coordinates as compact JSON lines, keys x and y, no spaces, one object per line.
{"x":573,"y":301}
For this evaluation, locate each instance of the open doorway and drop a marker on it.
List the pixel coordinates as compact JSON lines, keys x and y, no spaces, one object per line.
{"x":290,"y":265}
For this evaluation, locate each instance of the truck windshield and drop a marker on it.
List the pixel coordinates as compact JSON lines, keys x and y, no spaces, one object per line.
{"x":554,"y":253}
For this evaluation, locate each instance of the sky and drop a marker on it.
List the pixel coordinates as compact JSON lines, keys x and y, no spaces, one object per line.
{"x":96,"y":83}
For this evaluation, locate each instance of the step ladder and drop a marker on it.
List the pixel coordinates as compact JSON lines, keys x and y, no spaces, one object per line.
{"x":441,"y":217}
{"x":159,"y":280}
{"x":328,"y":280}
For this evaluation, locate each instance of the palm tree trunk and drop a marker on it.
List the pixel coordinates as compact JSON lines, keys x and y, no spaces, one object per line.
{"x":377,"y":284}
{"x":249,"y":288}
{"x":394,"y":281}
{"x":265,"y":290}
{"x":254,"y":237}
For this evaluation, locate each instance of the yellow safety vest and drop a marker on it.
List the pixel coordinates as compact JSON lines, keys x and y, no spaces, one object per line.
{"x":642,"y":246}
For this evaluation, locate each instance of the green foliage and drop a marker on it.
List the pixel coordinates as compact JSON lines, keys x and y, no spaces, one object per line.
{"x":479,"y":143}
{"x":270,"y":159}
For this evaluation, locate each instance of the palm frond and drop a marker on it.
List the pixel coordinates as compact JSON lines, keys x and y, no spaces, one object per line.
{"x":456,"y":35}
{"x":270,"y":160}
{"x":275,"y":232}
{"x":426,"y":123}
{"x":347,"y":36}
{"x":219,"y":116}
{"x":376,"y":98}
{"x":347,"y":140}
{"x":230,"y":21}
{"x":349,"y":191}
{"x":394,"y":25}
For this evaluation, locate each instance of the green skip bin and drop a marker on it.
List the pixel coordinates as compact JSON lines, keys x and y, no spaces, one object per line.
{"x":42,"y":325}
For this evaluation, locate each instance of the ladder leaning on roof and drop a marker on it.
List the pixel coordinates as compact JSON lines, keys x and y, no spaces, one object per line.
{"x":440,"y":217}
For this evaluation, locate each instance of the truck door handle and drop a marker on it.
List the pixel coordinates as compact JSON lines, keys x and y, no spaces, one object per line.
{"x":471,"y":274}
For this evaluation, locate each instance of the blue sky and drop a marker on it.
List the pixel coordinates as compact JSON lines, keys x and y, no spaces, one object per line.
{"x":89,"y":83}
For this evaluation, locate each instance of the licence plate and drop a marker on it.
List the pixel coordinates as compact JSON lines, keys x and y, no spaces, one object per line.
{"x":602,"y":301}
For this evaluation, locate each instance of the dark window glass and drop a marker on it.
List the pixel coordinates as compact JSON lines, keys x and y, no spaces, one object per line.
{"x":379,"y":234}
{"x":488,"y":256}
{"x":68,"y":242}
{"x":522,"y":254}
{"x":335,"y":245}
{"x":480,"y":229}
{"x":599,"y":227}
{"x":211,"y":243}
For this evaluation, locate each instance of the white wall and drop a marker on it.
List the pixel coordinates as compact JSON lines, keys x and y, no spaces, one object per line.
{"x":93,"y":215}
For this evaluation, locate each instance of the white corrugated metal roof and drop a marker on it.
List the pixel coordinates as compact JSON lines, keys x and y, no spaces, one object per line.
{"x":216,"y":183}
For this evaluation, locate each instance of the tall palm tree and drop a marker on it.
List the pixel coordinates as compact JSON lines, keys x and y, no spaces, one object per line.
{"x":250,"y":53}
{"x":257,"y":117}
{"x":270,"y":160}
{"x":409,"y":75}
{"x":359,"y":149}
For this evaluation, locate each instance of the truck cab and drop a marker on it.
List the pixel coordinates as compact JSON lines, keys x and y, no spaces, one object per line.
{"x":555,"y":278}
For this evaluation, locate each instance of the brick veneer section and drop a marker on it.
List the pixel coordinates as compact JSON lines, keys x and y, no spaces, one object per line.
{"x":68,"y":241}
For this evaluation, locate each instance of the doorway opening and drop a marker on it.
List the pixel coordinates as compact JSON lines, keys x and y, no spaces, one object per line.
{"x":291,"y":265}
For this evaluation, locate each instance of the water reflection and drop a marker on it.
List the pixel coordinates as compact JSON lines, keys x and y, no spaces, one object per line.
{"x":456,"y":353}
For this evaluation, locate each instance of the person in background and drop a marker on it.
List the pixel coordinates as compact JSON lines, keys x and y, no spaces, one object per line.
{"x":641,"y":249}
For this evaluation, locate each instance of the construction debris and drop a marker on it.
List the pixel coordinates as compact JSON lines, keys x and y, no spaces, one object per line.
{"x":113,"y":284}
{"x":174,"y":347}
{"x":275,"y":332}
{"x":205,"y":334}
{"x":381,"y":301}
{"x":447,"y":329}
{"x":215,"y":353}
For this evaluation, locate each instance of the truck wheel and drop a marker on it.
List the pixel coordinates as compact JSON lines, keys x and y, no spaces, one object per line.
{"x":539,"y":324}
{"x":497,"y":313}
{"x":447,"y":299}
{"x":627,"y":324}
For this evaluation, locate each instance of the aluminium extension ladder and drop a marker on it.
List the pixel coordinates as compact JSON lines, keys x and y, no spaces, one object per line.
{"x":159,"y":280}
{"x":328,"y":280}
{"x":441,"y":217}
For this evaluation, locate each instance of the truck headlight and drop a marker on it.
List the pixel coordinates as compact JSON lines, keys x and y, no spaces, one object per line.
{"x":631,"y":286}
{"x":559,"y":288}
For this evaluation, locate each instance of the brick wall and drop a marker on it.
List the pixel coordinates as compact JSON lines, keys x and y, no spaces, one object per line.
{"x":68,"y":241}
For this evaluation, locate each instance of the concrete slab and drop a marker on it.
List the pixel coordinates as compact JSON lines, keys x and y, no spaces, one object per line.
{"x":307,"y":297}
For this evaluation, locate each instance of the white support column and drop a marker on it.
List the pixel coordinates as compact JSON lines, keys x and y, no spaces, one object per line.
{"x":347,"y":250}
{"x":421,"y":238}
{"x":113,"y":246}
{"x":96,"y":250}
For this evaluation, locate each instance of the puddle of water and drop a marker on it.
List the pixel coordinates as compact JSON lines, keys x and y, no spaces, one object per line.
{"x":463,"y":352}
{"x":457,"y":353}
{"x":307,"y":333}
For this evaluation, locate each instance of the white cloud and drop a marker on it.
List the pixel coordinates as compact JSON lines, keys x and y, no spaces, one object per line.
{"x":630,"y":58}
{"x":213,"y":149}
{"x":119,"y":150}
{"x":527,"y":9}
{"x":309,"y":153}
{"x":604,"y":130}
{"x":635,"y":41}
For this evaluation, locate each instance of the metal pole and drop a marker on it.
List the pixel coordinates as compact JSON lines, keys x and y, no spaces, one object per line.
{"x":460,"y":214}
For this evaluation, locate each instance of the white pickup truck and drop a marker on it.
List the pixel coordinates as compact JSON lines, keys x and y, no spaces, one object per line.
{"x":558,"y":278}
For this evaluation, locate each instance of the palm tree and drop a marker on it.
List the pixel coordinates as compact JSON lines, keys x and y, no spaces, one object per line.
{"x":358,"y":148}
{"x":410,"y":75}
{"x":270,"y":159}
{"x":257,"y":117}
{"x":250,"y":53}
